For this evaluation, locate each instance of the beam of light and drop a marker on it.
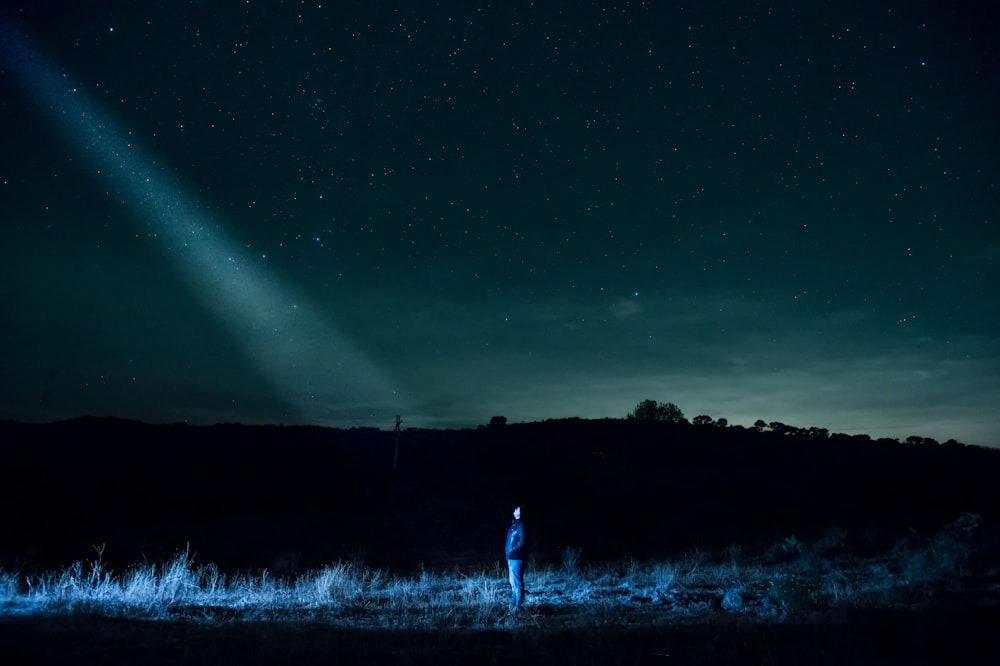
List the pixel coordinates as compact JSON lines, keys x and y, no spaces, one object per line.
{"x":316,"y":368}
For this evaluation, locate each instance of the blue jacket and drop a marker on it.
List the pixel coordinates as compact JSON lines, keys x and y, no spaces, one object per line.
{"x":515,"y":547}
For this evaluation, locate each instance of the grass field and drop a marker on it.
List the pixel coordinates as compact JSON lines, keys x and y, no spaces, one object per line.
{"x":929,"y":598}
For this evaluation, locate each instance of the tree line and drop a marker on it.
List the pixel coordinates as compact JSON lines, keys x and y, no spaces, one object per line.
{"x":668,"y":412}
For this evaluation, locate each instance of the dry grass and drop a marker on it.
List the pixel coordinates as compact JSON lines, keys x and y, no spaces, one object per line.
{"x":705,"y":608}
{"x":573,"y":595}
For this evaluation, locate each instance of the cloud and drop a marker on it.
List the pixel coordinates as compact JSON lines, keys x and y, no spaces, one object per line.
{"x":625,"y":308}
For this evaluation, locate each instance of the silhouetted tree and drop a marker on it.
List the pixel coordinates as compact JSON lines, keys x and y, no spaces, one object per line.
{"x":498,"y":421}
{"x":650,"y":410}
{"x":702,"y":419}
{"x":722,"y":423}
{"x":759,"y":425}
{"x":779,"y":427}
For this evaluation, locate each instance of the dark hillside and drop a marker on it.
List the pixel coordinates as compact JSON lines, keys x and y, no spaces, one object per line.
{"x":290,"y":498}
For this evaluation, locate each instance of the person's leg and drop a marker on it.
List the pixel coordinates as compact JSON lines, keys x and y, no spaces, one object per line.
{"x":516,"y":581}
{"x":510,"y":577}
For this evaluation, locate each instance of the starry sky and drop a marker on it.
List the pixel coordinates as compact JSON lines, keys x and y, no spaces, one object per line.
{"x":336,"y":212}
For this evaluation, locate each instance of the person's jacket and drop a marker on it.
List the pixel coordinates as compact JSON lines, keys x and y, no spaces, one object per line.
{"x":515,"y":548}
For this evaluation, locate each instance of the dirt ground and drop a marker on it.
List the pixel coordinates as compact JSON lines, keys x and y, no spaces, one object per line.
{"x":883,"y":637}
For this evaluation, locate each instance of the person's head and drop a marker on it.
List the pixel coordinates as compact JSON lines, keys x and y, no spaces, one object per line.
{"x":517,"y":513}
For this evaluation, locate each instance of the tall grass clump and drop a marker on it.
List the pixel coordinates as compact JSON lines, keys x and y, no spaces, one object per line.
{"x":8,"y":586}
{"x":571,"y":560}
{"x":331,"y":584}
{"x":152,"y":588}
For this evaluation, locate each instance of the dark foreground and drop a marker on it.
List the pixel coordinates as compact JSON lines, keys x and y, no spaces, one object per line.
{"x":884,"y":637}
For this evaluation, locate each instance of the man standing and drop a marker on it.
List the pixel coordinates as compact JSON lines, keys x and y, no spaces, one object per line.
{"x":516,"y":550}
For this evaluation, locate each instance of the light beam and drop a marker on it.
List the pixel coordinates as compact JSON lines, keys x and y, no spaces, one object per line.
{"x":313,"y":365}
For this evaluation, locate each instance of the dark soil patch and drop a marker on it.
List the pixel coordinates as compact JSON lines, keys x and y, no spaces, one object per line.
{"x":883,"y":637}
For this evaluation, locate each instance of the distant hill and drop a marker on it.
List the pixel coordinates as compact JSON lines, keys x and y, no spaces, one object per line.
{"x":295,"y":497}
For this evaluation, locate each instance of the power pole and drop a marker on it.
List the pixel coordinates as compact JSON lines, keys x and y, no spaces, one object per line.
{"x":395,"y":444}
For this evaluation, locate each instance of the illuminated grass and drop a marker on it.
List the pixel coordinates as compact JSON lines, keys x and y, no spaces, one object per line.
{"x":697,"y":586}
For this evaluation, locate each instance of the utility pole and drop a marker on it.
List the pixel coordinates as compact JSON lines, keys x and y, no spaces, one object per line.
{"x":395,"y":444}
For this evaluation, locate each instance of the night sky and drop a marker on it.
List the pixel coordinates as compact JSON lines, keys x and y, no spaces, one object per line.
{"x":336,"y":212}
